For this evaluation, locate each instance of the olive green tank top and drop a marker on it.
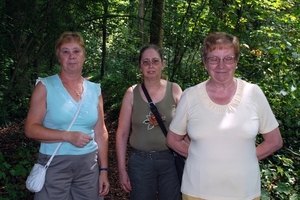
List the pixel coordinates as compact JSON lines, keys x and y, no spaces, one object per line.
{"x":146,"y":133}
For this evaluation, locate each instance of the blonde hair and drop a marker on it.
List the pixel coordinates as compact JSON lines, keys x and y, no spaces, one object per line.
{"x":69,"y":36}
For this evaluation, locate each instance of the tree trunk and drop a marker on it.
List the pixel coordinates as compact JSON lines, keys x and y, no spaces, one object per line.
{"x":156,"y":25}
{"x":104,"y":27}
{"x":141,"y":19}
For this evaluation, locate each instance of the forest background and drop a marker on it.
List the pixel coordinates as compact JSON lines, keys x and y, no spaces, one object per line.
{"x":114,"y":31}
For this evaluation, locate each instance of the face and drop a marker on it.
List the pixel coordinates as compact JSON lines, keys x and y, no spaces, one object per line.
{"x":221,"y":64}
{"x":151,"y":65}
{"x":71,"y":57}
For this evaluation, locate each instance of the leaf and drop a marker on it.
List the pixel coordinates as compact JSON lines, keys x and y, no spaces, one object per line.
{"x":282,"y":187}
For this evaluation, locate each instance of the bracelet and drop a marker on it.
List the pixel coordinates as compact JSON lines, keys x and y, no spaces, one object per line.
{"x":103,"y":169}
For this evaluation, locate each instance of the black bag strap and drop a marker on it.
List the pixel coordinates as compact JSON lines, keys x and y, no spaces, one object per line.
{"x":154,"y":110}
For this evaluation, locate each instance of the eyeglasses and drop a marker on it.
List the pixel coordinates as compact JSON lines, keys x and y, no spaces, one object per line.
{"x":216,"y":60}
{"x":154,"y":62}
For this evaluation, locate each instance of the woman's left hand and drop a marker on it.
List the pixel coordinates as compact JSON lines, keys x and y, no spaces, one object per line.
{"x":103,"y":183}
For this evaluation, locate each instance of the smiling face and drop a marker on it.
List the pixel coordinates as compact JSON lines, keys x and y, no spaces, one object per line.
{"x":220,"y":56}
{"x":71,"y":56}
{"x":221,"y":64}
{"x":151,"y":64}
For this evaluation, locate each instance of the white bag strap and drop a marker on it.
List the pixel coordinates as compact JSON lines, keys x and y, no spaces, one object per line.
{"x":76,"y":114}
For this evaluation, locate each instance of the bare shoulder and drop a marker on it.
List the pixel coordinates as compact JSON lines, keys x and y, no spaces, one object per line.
{"x":177,"y":91}
{"x":40,"y":86}
{"x":39,"y":92}
{"x":176,"y":87}
{"x":128,"y":96}
{"x":129,"y":90}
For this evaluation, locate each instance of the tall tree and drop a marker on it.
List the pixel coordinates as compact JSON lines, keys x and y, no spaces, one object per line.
{"x":104,"y":36}
{"x":156,"y":25}
{"x":141,"y":19}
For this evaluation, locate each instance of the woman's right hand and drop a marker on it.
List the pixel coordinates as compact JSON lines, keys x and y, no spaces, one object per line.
{"x":79,"y":139}
{"x":124,"y":181}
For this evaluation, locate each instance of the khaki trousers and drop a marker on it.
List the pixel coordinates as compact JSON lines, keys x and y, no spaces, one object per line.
{"x":186,"y":197}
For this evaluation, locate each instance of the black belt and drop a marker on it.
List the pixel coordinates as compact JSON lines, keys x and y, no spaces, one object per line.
{"x":151,"y":154}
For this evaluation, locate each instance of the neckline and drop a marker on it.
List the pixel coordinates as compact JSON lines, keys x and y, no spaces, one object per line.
{"x":66,"y":91}
{"x":164,"y":96}
{"x":227,"y":108}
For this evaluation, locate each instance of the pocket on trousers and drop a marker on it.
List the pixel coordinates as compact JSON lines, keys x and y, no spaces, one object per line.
{"x":43,"y":158}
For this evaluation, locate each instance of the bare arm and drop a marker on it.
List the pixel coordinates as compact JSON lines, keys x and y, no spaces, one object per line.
{"x":101,"y":137}
{"x":177,"y":91}
{"x":272,"y":142}
{"x":122,"y":138}
{"x":179,"y":143}
{"x":35,"y":130}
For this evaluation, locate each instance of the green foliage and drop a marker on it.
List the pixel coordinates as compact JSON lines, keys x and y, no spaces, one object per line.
{"x":120,"y":75}
{"x":280,"y":177}
{"x":17,"y":157}
{"x":270,"y":57}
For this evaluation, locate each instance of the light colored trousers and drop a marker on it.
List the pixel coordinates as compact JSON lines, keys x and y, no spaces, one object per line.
{"x":186,"y":197}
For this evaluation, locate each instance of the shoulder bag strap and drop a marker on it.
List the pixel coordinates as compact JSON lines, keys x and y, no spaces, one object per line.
{"x":154,"y":110}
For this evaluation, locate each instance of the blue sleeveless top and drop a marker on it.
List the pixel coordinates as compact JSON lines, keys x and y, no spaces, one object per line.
{"x":61,"y":109}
